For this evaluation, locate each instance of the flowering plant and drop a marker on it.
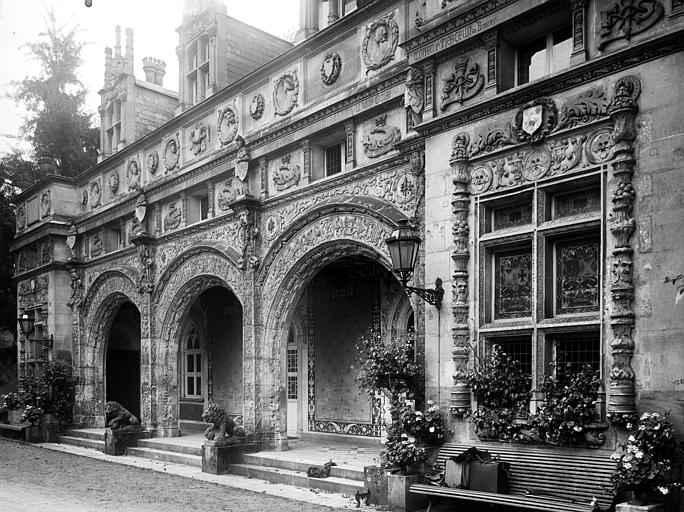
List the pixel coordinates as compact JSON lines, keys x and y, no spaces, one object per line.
{"x":12,"y":401}
{"x":569,"y":407}
{"x":402,"y":451}
{"x":644,"y":462}
{"x":32,"y":414}
{"x":427,"y":426}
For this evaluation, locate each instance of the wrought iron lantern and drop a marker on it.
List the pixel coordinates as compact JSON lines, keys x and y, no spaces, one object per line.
{"x":27,"y":324}
{"x":403,"y":247}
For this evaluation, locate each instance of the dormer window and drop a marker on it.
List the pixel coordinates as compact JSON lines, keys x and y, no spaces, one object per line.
{"x":197,"y":75}
{"x":112,"y":127}
{"x":332,"y":10}
{"x":544,"y":55}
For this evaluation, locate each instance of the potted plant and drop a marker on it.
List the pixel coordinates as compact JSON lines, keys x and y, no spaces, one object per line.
{"x":645,"y":462}
{"x":33,"y":416}
{"x":12,"y":404}
{"x":502,"y":390}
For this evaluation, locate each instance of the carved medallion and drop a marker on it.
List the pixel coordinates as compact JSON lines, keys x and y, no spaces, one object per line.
{"x":96,"y":244}
{"x":84,"y":198}
{"x":272,"y":227}
{"x":599,"y":146}
{"x":537,"y":164}
{"x":406,"y":188}
{"x":172,"y":219}
{"x":232,"y":189}
{"x":133,"y":174}
{"x":152,"y":162}
{"x":285,"y":92}
{"x":227,"y":125}
{"x":481,"y":179}
{"x":627,"y":18}
{"x":462,"y":84}
{"x":45,"y":204}
{"x":21,"y":216}
{"x":171,"y":153}
{"x":331,"y":68}
{"x":381,"y":138}
{"x":380,"y":42}
{"x":286,"y":174}
{"x":114,"y":182}
{"x":566,"y":154}
{"x":535,"y":120}
{"x":256,"y":106}
{"x":199,"y":137}
{"x":95,"y":194}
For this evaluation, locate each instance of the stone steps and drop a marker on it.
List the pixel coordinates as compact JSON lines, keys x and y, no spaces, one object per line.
{"x":165,"y":456}
{"x":266,"y":459}
{"x":83,"y":442}
{"x":159,"y":445}
{"x":86,"y":434}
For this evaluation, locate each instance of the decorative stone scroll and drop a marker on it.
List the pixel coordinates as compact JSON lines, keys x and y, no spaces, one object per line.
{"x":227,"y":124}
{"x":381,"y":138}
{"x":583,"y":108}
{"x":285,"y":92}
{"x":171,"y":152}
{"x":623,"y":110}
{"x":256,"y":106}
{"x":286,"y":175}
{"x":199,"y":137}
{"x":463,"y":84}
{"x":627,"y":18}
{"x":133,"y":174}
{"x":331,"y":67}
{"x":380,"y":42}
{"x":45,"y":204}
{"x":460,"y":395}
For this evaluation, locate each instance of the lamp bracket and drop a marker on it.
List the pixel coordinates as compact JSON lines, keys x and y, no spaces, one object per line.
{"x":430,"y":295}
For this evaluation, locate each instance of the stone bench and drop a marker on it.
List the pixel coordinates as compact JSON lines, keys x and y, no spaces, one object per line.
{"x":549,"y":479}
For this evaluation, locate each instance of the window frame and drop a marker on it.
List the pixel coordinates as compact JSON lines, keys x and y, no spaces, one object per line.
{"x":549,"y":53}
{"x":197,"y":376}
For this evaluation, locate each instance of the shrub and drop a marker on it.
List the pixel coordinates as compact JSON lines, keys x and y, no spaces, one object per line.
{"x":54,"y":390}
{"x":427,"y":427}
{"x":12,"y":401}
{"x":32,"y":414}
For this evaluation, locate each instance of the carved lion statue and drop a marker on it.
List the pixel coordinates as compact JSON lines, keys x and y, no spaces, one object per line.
{"x":116,"y":416}
{"x":222,"y":426}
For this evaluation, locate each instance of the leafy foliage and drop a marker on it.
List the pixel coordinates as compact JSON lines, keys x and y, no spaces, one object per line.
{"x":644,"y":462}
{"x":427,"y":427}
{"x":570,"y":406}
{"x":32,"y":414}
{"x":54,"y":390}
{"x":402,"y":448}
{"x":12,"y":401}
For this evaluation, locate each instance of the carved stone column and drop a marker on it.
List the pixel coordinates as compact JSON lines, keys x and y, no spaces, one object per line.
{"x":211,"y":191}
{"x":623,"y":110}
{"x":429,"y":73}
{"x":579,"y":52}
{"x":460,"y":396}
{"x":491,"y":44}
{"x":263,"y":173}
{"x":184,"y":208}
{"x":157,"y":219}
{"x":350,"y":157}
{"x":333,"y":11}
{"x":306,"y":174}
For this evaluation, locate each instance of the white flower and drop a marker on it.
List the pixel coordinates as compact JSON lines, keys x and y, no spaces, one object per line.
{"x":431,"y":429}
{"x":639,"y":454}
{"x":631,"y":439}
{"x":663,"y":490}
{"x":628,"y":465}
{"x":577,"y":428}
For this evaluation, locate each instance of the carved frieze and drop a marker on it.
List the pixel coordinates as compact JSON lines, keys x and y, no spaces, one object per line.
{"x":583,"y":108}
{"x":171,"y":152}
{"x":114,"y":182}
{"x":463,"y":84}
{"x":173,"y":217}
{"x":133,"y":174}
{"x":229,"y":191}
{"x":227,"y":124}
{"x":626,"y":18}
{"x":331,"y":67}
{"x":256,"y":106}
{"x":33,"y":292}
{"x":199,"y":138}
{"x":152,"y":162}
{"x":599,"y":146}
{"x":21,"y":216}
{"x":380,"y":42}
{"x":95,"y":194}
{"x":380,"y":138}
{"x":287,"y":174}
{"x":45,"y":204}
{"x":285,"y":93}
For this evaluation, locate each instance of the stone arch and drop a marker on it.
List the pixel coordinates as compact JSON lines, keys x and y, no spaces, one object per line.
{"x":323,"y":237}
{"x":191,"y":273}
{"x":105,"y":295}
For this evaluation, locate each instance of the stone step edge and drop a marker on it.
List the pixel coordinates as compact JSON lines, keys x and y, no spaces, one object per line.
{"x":155,"y":454}
{"x":263,"y":459}
{"x":74,"y":432}
{"x":82,"y":442}
{"x":312,"y":482}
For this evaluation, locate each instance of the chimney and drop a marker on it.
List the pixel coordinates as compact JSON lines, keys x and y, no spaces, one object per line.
{"x":129,"y":50}
{"x":155,"y":69}
{"x":108,"y":64}
{"x":117,"y":47}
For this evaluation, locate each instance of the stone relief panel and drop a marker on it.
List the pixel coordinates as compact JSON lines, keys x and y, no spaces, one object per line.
{"x":227,"y":124}
{"x":95,"y":193}
{"x":32,"y":292}
{"x":152,"y":162}
{"x":198,"y":136}
{"x":378,"y":135}
{"x":173,"y":216}
{"x":257,"y":105}
{"x":113,"y":182}
{"x":380,"y":41}
{"x":331,"y":67}
{"x":285,"y":93}
{"x":171,"y":152}
{"x":133,"y":178}
{"x":21,"y":216}
{"x":623,"y":19}
{"x":285,"y":172}
{"x":461,"y":79}
{"x":228,"y":191}
{"x":45,"y":204}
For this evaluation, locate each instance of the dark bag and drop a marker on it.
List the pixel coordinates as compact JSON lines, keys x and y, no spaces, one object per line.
{"x":489,"y":476}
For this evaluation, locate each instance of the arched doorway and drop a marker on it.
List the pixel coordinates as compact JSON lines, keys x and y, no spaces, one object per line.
{"x":122,"y":360}
{"x":347,"y":298}
{"x":210,"y":357}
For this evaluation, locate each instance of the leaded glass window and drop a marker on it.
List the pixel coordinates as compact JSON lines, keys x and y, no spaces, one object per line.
{"x":513,"y":285}
{"x":193,"y":363}
{"x":512,"y":216}
{"x":577,"y":276}
{"x":292,"y":380}
{"x":577,"y":203}
{"x":574,"y":351}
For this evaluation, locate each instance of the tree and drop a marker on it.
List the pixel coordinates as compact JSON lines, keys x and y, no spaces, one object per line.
{"x":56,"y":125}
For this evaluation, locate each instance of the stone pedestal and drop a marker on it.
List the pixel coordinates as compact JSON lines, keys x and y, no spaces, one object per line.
{"x":398,"y":497}
{"x":632,"y":507}
{"x":116,"y":441}
{"x":14,"y":416}
{"x":375,"y":480}
{"x":49,"y":426}
{"x":217,"y":456}
{"x":168,"y":432}
{"x":33,"y":434}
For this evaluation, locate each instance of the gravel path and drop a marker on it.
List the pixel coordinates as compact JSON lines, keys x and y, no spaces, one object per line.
{"x":34,"y":479}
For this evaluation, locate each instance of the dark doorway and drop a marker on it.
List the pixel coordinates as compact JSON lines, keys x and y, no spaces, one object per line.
{"x":122,"y":364}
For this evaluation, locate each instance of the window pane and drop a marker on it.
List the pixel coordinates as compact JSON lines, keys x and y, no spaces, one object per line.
{"x":562,"y":48}
{"x":577,"y":271}
{"x":532,"y":60}
{"x":575,"y":351}
{"x":191,"y":363}
{"x":512,"y":216}
{"x":333,"y":159}
{"x":198,"y":388}
{"x":513,"y":287}
{"x":519,"y":349}
{"x":292,"y":387}
{"x":198,"y":362}
{"x":576,"y":203}
{"x":191,"y":386}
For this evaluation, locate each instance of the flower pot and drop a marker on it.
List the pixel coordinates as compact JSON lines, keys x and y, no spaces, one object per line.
{"x":14,"y":416}
{"x":398,"y":496}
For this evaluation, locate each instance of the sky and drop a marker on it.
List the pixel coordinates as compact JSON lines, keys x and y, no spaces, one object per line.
{"x":154,"y":24}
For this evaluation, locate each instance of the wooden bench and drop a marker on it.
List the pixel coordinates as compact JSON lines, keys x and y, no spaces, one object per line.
{"x":541,"y":478}
{"x":13,"y":431}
